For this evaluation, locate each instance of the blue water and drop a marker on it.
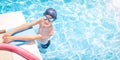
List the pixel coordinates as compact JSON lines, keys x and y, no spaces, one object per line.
{"x":84,"y":29}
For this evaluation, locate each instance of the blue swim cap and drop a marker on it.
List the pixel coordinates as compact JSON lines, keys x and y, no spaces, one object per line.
{"x":52,"y":12}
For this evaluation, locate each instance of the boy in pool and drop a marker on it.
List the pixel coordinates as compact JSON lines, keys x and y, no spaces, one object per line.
{"x":45,"y":30}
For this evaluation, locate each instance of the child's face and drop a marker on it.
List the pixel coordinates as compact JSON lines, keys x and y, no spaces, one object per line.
{"x":49,"y":18}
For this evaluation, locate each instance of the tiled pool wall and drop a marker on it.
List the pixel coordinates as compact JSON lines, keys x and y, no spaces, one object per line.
{"x":84,"y":29}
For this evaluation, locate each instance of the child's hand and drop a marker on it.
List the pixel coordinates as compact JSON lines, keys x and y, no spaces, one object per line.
{"x":7,"y":34}
{"x":7,"y":39}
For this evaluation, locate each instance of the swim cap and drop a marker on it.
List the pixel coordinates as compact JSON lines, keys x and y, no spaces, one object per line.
{"x":51,"y":12}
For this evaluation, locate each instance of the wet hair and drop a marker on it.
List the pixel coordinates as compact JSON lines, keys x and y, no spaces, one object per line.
{"x":52,"y":12}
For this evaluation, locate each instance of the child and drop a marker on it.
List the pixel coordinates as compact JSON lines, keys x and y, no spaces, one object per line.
{"x":45,"y":30}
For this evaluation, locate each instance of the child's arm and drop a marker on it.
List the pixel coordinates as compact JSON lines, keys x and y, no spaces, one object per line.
{"x":26,"y":25}
{"x":27,"y":38}
{"x":22,"y":27}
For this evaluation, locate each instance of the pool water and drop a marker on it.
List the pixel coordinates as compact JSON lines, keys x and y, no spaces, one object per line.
{"x":84,"y":29}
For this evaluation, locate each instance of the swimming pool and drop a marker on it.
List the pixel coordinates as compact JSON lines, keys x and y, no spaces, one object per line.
{"x":84,"y":30}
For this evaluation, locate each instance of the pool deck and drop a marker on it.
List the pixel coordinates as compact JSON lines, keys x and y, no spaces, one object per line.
{"x":7,"y":21}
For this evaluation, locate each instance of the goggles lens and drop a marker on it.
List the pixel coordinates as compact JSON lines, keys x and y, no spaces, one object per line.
{"x":49,"y":19}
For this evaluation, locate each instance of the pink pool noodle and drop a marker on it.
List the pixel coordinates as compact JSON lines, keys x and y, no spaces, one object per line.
{"x":24,"y":53}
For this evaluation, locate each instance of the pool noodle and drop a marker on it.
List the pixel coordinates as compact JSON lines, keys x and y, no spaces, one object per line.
{"x":24,"y":53}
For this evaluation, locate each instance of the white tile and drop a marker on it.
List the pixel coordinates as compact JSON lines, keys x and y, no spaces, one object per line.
{"x":12,"y":19}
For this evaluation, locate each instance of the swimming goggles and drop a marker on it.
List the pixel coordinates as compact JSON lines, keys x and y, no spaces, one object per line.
{"x":49,"y":19}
